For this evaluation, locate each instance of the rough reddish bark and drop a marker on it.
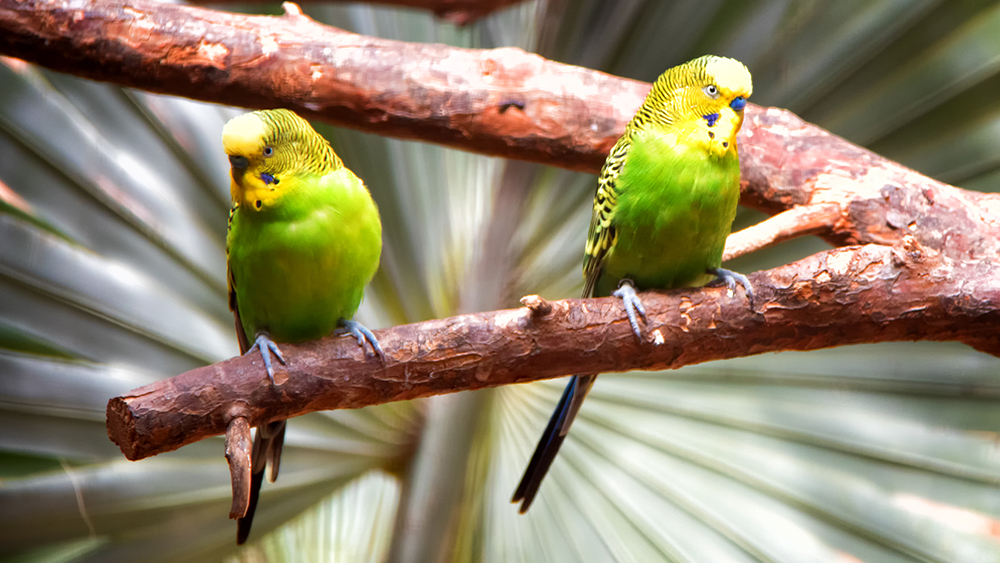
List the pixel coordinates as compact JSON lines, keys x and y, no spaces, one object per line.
{"x":816,"y":219}
{"x":787,"y":162}
{"x":503,"y":101}
{"x":238,"y":449}
{"x":850,"y":295}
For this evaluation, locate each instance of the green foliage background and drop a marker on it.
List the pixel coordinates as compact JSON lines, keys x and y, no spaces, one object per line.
{"x":112,"y":222}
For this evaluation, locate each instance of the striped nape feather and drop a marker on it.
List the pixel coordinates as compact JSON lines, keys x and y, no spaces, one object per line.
{"x":286,"y":128}
{"x":673,"y":93}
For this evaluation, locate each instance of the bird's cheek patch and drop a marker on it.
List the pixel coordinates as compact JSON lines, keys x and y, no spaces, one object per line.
{"x":711,"y":119}
{"x":259,"y":196}
{"x":268,"y":179}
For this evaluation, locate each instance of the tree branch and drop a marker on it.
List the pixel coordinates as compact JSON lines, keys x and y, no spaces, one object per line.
{"x":815,"y":219}
{"x":238,"y":450}
{"x":502,"y":102}
{"x":844,"y":296}
{"x":786,"y":162}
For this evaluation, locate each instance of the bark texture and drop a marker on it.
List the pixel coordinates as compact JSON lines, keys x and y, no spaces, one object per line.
{"x":786,"y":162}
{"x":871,"y":293}
{"x":239,"y":446}
{"x":503,"y":102}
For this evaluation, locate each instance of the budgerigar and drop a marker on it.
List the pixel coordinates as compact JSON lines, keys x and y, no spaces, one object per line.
{"x":665,"y":203}
{"x":304,"y":240}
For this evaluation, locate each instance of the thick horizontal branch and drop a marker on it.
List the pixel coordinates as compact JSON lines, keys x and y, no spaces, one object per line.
{"x":503,"y":102}
{"x":851,"y":295}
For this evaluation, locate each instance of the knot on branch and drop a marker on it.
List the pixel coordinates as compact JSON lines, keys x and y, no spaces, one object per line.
{"x":292,"y":10}
{"x":909,"y":250}
{"x":539,"y":307}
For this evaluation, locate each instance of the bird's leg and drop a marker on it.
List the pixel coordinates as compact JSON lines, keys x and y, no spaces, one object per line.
{"x":731,"y":278}
{"x":632,"y":304}
{"x":266,"y":346}
{"x":361,"y":333}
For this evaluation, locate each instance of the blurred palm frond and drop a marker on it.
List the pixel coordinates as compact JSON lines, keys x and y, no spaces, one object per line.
{"x":112,"y":225}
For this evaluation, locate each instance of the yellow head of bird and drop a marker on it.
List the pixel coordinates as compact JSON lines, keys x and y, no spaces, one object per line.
{"x":705,"y":97}
{"x":267,"y":146}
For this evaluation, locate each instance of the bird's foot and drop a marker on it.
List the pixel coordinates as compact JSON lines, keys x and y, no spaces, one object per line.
{"x":632,"y":304}
{"x":267,"y":347}
{"x":731,"y":278}
{"x":362,"y":333}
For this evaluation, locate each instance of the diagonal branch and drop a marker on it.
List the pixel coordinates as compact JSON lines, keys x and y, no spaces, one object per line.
{"x":786,"y":162}
{"x":814,"y":219}
{"x":503,"y":102}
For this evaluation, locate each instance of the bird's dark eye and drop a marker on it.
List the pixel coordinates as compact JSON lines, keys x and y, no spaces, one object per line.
{"x":712,"y":90}
{"x":268,"y":151}
{"x":738,"y":103}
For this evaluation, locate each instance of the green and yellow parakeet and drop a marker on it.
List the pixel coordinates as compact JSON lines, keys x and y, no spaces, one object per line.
{"x":304,"y":241}
{"x":665,"y":203}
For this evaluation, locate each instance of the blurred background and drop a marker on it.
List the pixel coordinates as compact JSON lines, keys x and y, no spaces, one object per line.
{"x":113,"y":211}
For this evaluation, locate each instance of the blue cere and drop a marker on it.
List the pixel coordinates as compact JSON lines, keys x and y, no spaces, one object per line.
{"x":738,"y":103}
{"x":711,"y":118}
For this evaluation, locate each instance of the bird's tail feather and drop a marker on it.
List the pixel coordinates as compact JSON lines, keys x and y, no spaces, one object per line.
{"x":552,"y":439}
{"x":274,"y":452}
{"x":243,"y":524}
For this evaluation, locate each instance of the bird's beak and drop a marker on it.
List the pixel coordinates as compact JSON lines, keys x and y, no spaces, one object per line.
{"x":239,"y":162}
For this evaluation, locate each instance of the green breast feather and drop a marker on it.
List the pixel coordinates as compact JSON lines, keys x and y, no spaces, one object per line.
{"x":300,"y":268}
{"x":675,"y":207}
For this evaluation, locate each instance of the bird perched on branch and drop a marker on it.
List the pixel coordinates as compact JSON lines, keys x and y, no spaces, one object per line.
{"x":304,"y":240}
{"x":665,"y":203}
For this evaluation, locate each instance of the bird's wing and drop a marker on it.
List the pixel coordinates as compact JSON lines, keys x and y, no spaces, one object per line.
{"x":601,"y":236}
{"x":241,"y":335}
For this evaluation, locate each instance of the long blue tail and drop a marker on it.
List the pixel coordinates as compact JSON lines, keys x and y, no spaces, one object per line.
{"x":552,"y":439}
